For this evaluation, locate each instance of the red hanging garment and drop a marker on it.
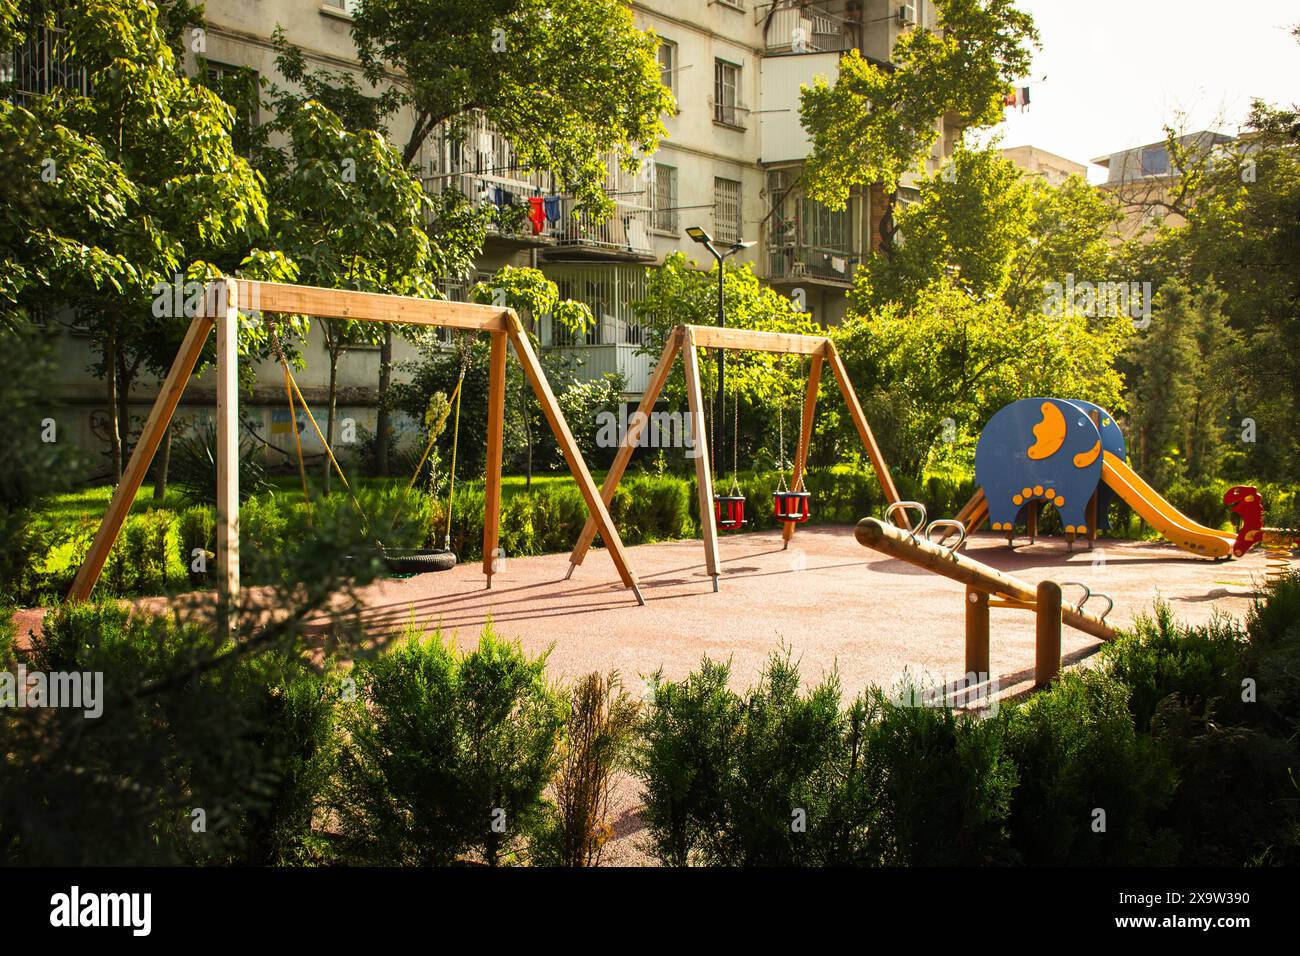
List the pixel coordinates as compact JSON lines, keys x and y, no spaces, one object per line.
{"x":537,"y":213}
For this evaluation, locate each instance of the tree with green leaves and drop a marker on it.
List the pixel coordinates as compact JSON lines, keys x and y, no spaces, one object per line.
{"x":930,"y":374}
{"x":681,"y":293}
{"x":534,"y":297}
{"x":997,"y":231}
{"x":135,"y":184}
{"x":877,"y":122}
{"x":1178,"y":401}
{"x":566,"y":81}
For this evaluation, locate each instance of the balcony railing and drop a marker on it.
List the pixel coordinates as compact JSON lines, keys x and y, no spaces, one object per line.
{"x":797,"y":26}
{"x":479,"y":163}
{"x":793,"y":262}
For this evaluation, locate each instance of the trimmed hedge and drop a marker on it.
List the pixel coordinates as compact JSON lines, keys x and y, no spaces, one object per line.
{"x":156,"y":552}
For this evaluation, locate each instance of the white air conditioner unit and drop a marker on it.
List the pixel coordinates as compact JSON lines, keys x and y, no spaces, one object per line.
{"x":907,"y":13}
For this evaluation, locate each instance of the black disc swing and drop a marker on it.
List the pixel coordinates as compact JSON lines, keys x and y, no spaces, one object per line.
{"x":789,"y":504}
{"x":397,"y":560}
{"x":419,"y":560}
{"x":729,"y":509}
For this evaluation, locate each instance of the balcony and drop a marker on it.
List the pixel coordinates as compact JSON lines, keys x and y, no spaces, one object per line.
{"x":478,"y":162}
{"x":814,"y":264}
{"x":625,"y":235}
{"x":805,"y":241}
{"x":823,"y":26}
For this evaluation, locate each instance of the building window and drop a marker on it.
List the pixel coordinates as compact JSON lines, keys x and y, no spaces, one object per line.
{"x":238,"y":86}
{"x":726,"y":86}
{"x":41,"y":64}
{"x":665,"y":199}
{"x":726,"y":210}
{"x":668,"y":64}
{"x":1155,"y":161}
{"x":345,"y":6}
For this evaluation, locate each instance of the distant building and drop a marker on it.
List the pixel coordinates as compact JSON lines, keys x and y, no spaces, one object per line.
{"x":1039,"y":162}
{"x":1144,"y":181}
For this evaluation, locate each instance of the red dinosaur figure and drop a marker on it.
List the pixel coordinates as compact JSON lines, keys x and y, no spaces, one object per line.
{"x":1246,"y":502}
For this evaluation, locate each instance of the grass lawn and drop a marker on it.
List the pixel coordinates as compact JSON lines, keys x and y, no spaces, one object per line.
{"x":92,"y":501}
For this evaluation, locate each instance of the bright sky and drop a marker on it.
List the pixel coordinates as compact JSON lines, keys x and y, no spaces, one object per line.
{"x":1112,"y":73}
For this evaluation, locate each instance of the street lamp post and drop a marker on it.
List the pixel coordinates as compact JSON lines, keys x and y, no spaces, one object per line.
{"x":704,"y":239}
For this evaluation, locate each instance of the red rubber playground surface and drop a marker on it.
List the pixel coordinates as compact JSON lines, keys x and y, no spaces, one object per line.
{"x":834,"y":603}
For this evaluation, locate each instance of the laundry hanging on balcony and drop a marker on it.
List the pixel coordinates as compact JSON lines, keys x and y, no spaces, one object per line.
{"x":537,"y":213}
{"x":552,"y":204}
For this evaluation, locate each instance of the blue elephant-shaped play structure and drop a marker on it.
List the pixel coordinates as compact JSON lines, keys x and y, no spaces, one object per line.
{"x":1047,"y":451}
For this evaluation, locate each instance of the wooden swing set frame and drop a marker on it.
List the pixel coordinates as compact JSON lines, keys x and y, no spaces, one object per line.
{"x":222,"y":303}
{"x":686,"y":340}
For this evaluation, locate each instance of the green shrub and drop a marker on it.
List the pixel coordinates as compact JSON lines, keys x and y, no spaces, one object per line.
{"x":779,"y":777}
{"x":732,"y":781}
{"x":298,"y":742}
{"x":1274,"y":619}
{"x":784,"y":761}
{"x":1159,"y":657}
{"x":686,"y":759}
{"x":943,"y":782}
{"x":445,"y":755}
{"x":196,"y":530}
{"x":176,"y":735}
{"x":193,"y":464}
{"x":1078,"y":753}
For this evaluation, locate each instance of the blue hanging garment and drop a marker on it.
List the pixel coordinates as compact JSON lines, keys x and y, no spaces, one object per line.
{"x":552,"y":204}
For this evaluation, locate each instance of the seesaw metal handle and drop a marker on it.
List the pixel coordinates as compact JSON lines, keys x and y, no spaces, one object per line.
{"x":906,"y":506}
{"x":949,"y":525}
{"x":1088,"y":595}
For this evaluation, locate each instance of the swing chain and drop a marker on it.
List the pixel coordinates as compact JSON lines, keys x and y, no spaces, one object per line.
{"x":735,"y":446}
{"x":780,"y":440}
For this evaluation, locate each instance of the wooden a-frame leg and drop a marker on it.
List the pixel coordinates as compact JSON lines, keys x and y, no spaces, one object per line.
{"x":805,"y":436}
{"x":634,"y":429}
{"x":864,"y":429}
{"x":228,"y":461}
{"x":495,"y":440}
{"x":703,"y":467}
{"x":160,"y":416}
{"x":577,"y":466}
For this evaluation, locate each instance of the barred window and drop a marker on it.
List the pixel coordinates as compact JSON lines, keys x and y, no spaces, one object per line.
{"x":665,"y":204}
{"x":41,"y":64}
{"x":726,"y":210}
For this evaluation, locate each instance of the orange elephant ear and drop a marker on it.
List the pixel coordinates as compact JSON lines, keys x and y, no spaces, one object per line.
{"x":1049,"y":433}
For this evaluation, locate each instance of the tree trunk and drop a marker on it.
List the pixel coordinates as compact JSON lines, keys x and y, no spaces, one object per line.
{"x":161,"y":464}
{"x":124,"y":379}
{"x":329,"y":417}
{"x":381,"y":417}
{"x":114,"y":437}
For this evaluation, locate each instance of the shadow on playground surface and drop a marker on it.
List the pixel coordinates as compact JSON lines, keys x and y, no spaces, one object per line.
{"x":835,"y":604}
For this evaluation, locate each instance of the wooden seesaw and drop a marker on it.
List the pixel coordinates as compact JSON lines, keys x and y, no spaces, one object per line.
{"x":988,"y":587}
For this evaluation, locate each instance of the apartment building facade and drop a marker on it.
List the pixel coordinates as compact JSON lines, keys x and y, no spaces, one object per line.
{"x":731,"y":162}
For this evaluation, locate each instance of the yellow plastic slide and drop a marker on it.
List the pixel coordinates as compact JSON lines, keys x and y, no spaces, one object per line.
{"x":1160,"y":514}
